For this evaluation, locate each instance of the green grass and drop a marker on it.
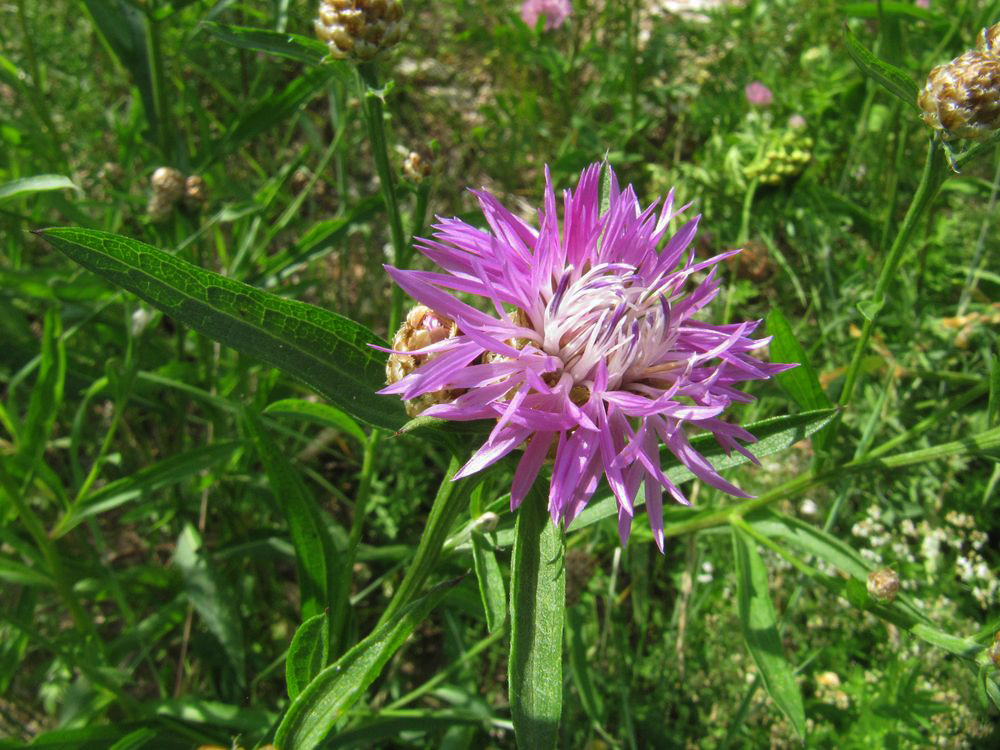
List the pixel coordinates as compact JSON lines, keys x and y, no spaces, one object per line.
{"x":197,"y":548}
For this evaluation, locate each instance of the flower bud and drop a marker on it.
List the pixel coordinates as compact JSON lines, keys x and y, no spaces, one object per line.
{"x":194,"y":192}
{"x":988,"y":41}
{"x":422,"y":327}
{"x":962,"y":99}
{"x":415,"y":167}
{"x":883,"y":584}
{"x":359,"y":29}
{"x":168,"y":183}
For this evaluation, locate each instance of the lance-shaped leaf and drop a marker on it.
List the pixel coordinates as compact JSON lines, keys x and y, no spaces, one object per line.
{"x":759,"y":624}
{"x":891,"y":78}
{"x":338,"y":687}
{"x":537,"y":605}
{"x":302,"y":49}
{"x":307,"y":654}
{"x":328,"y":352}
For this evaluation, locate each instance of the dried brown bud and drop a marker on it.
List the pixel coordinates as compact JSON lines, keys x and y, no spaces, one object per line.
{"x":988,"y":41}
{"x":359,"y":29}
{"x":159,"y":208}
{"x":167,"y":183}
{"x":194,"y":192}
{"x":415,"y":167}
{"x":883,"y":584}
{"x":962,"y":99}
{"x":423,"y":327}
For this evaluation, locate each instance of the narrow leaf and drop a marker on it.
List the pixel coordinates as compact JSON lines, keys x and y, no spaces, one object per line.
{"x":318,"y":564}
{"x":320,"y":706}
{"x":37,"y":184}
{"x":891,"y":78}
{"x":146,"y":481}
{"x":491,"y":587}
{"x":302,"y":49}
{"x":210,"y":599}
{"x":537,"y":605}
{"x":307,"y":654}
{"x":773,"y":436}
{"x":318,"y":413}
{"x":328,"y":352}
{"x":758,"y":622}
{"x":801,"y":382}
{"x":274,"y":108}
{"x":46,"y":396}
{"x":993,"y":405}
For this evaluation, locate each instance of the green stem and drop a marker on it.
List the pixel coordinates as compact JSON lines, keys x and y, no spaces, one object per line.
{"x":39,"y":100}
{"x":934,"y":174}
{"x":161,"y":116}
{"x":372,"y":98}
{"x":364,"y":494}
{"x":451,"y":498}
{"x":984,"y":441}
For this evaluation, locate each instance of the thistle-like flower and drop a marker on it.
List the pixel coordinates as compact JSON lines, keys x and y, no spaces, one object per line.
{"x":591,"y":347}
{"x":359,"y":29}
{"x":962,"y":98}
{"x":555,"y":12}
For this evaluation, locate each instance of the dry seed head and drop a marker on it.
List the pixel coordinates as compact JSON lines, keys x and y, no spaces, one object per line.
{"x":194,"y":192}
{"x":415,"y":167}
{"x":962,"y":99}
{"x":883,"y":584}
{"x":159,"y":208}
{"x":167,"y":183}
{"x":988,"y":41}
{"x":422,"y":327}
{"x":359,"y":29}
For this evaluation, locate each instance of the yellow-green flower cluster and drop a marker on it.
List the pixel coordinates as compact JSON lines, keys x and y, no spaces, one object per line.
{"x":786,"y":157}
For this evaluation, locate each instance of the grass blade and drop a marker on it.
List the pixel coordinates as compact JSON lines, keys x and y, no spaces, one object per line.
{"x":760,"y":631}
{"x":37,"y":184}
{"x":322,"y":584}
{"x":801,"y":382}
{"x":537,"y":605}
{"x":209,"y":598}
{"x":321,"y":414}
{"x":46,"y":396}
{"x":491,"y":586}
{"x":325,"y":350}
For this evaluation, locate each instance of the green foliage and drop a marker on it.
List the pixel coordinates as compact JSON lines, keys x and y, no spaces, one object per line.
{"x":214,"y":533}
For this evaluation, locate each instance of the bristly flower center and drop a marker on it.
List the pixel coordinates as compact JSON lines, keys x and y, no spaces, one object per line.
{"x":608,"y":314}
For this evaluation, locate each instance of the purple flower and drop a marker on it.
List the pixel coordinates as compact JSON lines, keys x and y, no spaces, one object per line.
{"x":590,"y":347}
{"x":555,"y":12}
{"x":758,"y":94}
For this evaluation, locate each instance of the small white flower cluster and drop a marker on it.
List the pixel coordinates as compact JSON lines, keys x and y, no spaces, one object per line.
{"x":955,"y":545}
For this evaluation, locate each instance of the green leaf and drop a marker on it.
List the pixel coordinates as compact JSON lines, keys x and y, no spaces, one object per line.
{"x":759,"y":625}
{"x":801,"y":382}
{"x":317,"y":413}
{"x":891,"y":78}
{"x":773,"y":436}
{"x":302,"y":49}
{"x":491,"y":586}
{"x":273,"y":109}
{"x":124,"y":29}
{"x":328,"y":352}
{"x":537,"y":605}
{"x":210,"y":599}
{"x":579,"y":664}
{"x":46,"y":396}
{"x":37,"y":184}
{"x":891,"y":9}
{"x":145,"y":482}
{"x":870,"y":310}
{"x":993,"y":405}
{"x":307,"y":654}
{"x":322,"y":581}
{"x":327,"y":698}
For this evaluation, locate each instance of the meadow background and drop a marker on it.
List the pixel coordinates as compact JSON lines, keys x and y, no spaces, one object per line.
{"x":149,"y":582}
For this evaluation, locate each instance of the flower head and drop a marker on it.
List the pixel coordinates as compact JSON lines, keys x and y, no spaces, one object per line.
{"x":962,"y":98}
{"x":590,"y":351}
{"x":359,"y":29}
{"x":758,"y":94}
{"x":555,"y":12}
